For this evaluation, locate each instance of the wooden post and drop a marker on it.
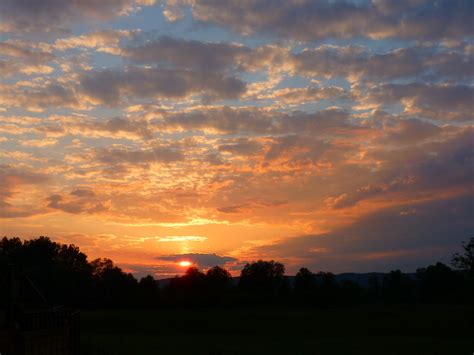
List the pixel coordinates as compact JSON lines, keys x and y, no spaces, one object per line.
{"x":11,"y":296}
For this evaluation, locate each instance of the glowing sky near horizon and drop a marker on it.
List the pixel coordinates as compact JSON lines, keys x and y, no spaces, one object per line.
{"x":336,"y":135}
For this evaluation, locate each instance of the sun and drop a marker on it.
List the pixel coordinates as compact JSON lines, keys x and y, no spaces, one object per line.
{"x":185,"y":263}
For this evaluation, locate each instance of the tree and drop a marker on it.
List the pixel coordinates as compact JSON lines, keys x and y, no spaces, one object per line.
{"x":218,"y":285}
{"x":398,"y":287}
{"x":326,"y":289}
{"x":193,"y":277}
{"x":304,"y":285}
{"x":263,"y":278}
{"x":218,"y":278}
{"x":438,"y":284}
{"x":149,"y":291}
{"x":465,"y":262}
{"x":114,"y":287}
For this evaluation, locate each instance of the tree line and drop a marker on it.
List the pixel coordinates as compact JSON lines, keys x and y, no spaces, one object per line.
{"x":63,"y":275}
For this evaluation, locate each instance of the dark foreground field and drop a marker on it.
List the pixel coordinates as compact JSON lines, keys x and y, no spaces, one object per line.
{"x":375,"y":330}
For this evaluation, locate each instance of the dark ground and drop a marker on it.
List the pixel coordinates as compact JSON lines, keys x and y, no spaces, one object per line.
{"x":406,"y":330}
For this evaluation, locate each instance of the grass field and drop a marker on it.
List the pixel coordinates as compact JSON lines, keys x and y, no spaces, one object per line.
{"x":375,"y":330}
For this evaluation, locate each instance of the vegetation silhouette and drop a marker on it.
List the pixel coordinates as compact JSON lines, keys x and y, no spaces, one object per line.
{"x":66,"y":277}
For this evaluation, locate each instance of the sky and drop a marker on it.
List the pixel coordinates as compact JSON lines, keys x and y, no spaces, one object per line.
{"x":335,"y":135}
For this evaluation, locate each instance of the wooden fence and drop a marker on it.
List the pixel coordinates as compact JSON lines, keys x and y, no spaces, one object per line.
{"x":42,"y":332}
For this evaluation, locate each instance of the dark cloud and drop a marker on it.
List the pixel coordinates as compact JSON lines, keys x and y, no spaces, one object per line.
{"x":193,"y":55}
{"x":241,"y":146}
{"x":310,"y":20}
{"x":295,"y":149}
{"x":231,"y":120}
{"x":116,"y":126}
{"x":308,"y":94}
{"x":78,"y":201}
{"x":435,"y":101}
{"x":122,"y":155}
{"x":407,"y":236}
{"x":222,"y":119}
{"x":34,"y":98}
{"x":410,"y":131}
{"x":358,"y":64}
{"x":83,"y":193}
{"x":58,"y":15}
{"x":111,"y":88}
{"x":202,"y":260}
{"x":434,"y":166}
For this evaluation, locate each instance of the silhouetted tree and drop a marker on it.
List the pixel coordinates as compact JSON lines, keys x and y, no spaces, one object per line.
{"x":61,"y":272}
{"x":438,"y":284}
{"x":398,"y":287}
{"x":465,"y":261}
{"x":189,"y":289}
{"x":350,"y":293}
{"x":193,"y":278}
{"x":149,"y":292}
{"x":65,"y":276}
{"x":262,"y":279}
{"x":326,"y":291}
{"x":374,"y":290}
{"x":218,"y":279}
{"x":304,"y":286}
{"x":114,"y":287}
{"x":218,"y":284}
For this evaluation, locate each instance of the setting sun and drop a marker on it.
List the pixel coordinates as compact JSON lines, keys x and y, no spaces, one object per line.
{"x":185,"y":263}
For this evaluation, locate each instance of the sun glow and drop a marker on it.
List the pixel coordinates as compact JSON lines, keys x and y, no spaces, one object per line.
{"x":185,"y":263}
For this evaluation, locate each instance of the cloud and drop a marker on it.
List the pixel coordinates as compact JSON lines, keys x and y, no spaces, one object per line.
{"x":405,"y":236}
{"x":107,"y":41}
{"x":218,"y":119}
{"x":301,"y":95}
{"x":48,"y":16}
{"x":39,"y":143}
{"x":232,"y":120}
{"x":114,"y":127}
{"x":409,"y":131}
{"x":181,"y":238}
{"x":201,"y":260}
{"x":13,"y":180}
{"x":77,"y":201}
{"x":356,"y":63}
{"x":250,"y":206}
{"x":21,"y":57}
{"x":113,"y":87}
{"x":436,"y":101}
{"x":315,"y":116}
{"x":359,"y":64}
{"x":241,"y":146}
{"x":39,"y":97}
{"x":193,"y":55}
{"x":307,"y":20}
{"x":122,"y":155}
{"x":434,"y":167}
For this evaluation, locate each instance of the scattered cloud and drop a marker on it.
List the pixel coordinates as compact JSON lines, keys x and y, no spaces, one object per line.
{"x":333,"y":134}
{"x":58,"y":16}
{"x":311,"y":20}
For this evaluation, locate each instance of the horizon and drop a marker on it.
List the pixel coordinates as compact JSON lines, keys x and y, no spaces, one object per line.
{"x":162,"y":134}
